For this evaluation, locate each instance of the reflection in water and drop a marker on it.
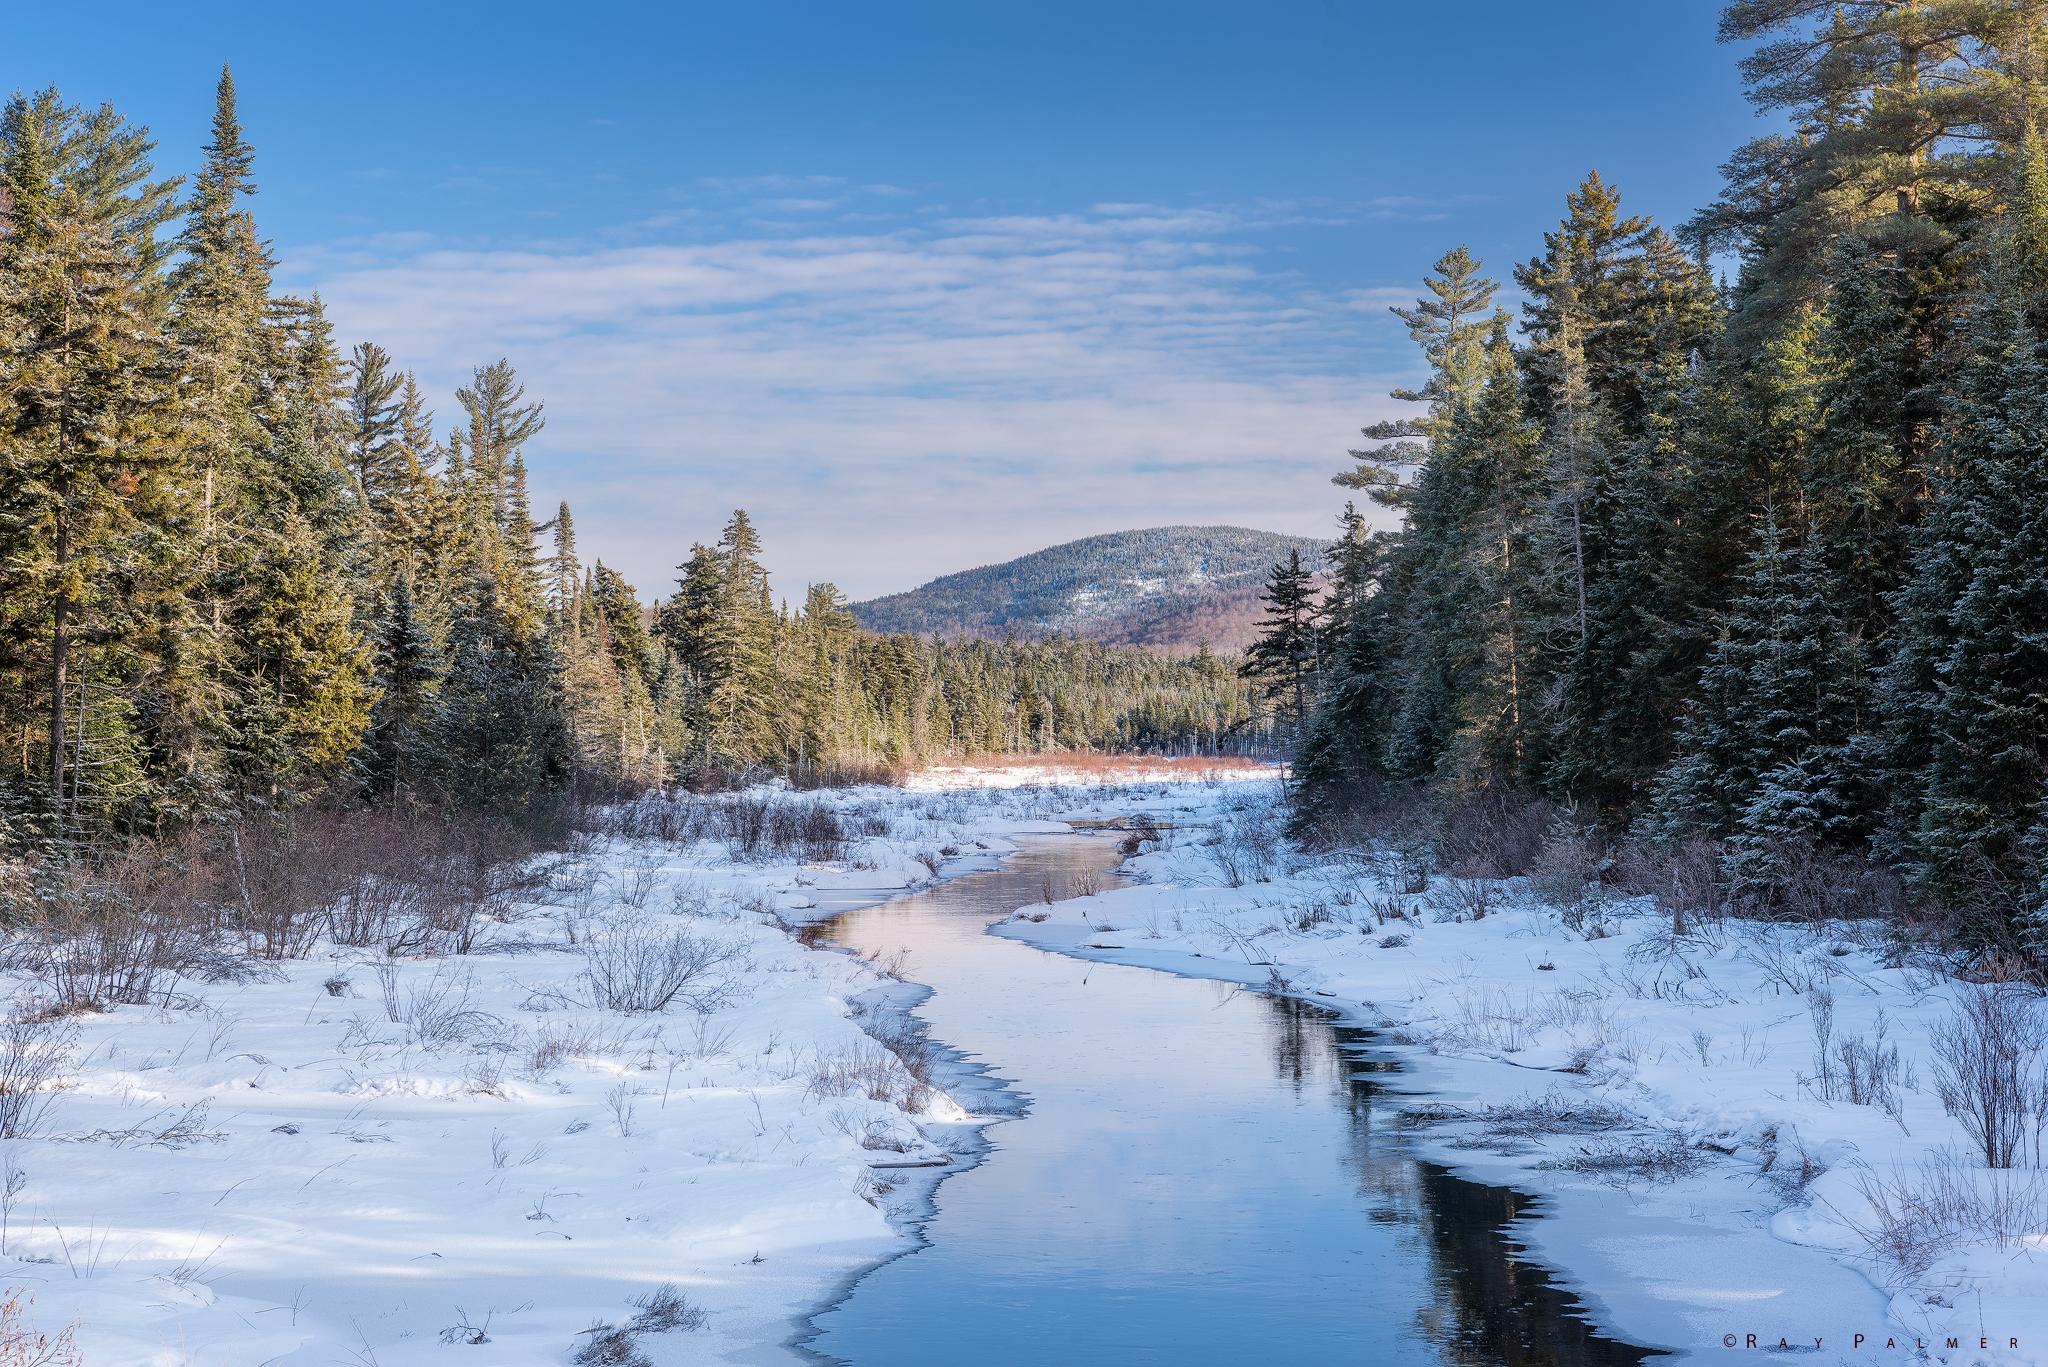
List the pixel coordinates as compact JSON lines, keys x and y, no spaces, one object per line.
{"x":1204,"y":1175}
{"x":1489,"y":1308}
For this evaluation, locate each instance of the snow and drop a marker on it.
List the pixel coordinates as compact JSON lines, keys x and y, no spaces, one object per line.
{"x":1699,"y":1183}
{"x":354,"y":1157}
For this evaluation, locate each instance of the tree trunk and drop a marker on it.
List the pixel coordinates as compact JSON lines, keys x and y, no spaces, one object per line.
{"x":60,"y":642}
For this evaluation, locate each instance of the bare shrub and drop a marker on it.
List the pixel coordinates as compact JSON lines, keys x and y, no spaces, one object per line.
{"x":1684,"y":876}
{"x":870,"y":1132}
{"x":896,"y":1069}
{"x":1820,"y":1009}
{"x":632,"y":887}
{"x":865,"y":1069}
{"x":1790,"y":958}
{"x":21,"y":1346}
{"x":1493,"y":1019}
{"x":1465,"y":899}
{"x":757,"y":827}
{"x":620,"y":1101}
{"x":671,"y":818}
{"x":1569,"y":861}
{"x":434,"y":1010}
{"x":637,"y":964}
{"x":1246,"y":845}
{"x":1988,"y":1072}
{"x":1863,"y":1071}
{"x":849,"y":774}
{"x":1493,"y":831}
{"x":280,"y":875}
{"x":866,"y":823}
{"x":33,"y":1056}
{"x":1797,"y":880}
{"x":119,"y":926}
{"x":415,"y":881}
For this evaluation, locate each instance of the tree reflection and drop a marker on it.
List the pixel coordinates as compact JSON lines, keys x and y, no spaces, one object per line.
{"x":1491,"y":1309}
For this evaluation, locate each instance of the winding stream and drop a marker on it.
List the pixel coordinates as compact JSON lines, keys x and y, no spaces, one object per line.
{"x":1202,"y":1174}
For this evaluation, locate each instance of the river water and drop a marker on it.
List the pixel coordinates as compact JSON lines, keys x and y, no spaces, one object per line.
{"x":1199,"y":1174}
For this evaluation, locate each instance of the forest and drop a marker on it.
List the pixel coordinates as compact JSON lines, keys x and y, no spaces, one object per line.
{"x":242,"y":570}
{"x":1731,"y":549}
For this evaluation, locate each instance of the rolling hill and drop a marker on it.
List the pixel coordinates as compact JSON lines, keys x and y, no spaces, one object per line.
{"x":1159,"y":586}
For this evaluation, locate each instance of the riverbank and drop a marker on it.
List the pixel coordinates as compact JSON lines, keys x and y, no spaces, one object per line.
{"x":1682,"y":1100}
{"x":628,"y":1093}
{"x":364,"y":1156}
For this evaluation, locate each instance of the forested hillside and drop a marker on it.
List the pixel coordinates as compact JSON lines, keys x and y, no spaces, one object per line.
{"x":1165,"y":586}
{"x":243,"y":567}
{"x":1748,"y":575}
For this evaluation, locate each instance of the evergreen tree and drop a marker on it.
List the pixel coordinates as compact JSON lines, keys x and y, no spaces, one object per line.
{"x":408,"y":679}
{"x":1764,"y":755}
{"x":377,"y":458}
{"x":1283,"y":658}
{"x":83,"y":378}
{"x":1966,"y":739}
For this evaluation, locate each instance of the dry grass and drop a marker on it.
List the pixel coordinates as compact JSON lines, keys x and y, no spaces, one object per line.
{"x":1914,"y":1218}
{"x":1648,"y":1158}
{"x":1106,"y":767}
{"x":21,"y":1346}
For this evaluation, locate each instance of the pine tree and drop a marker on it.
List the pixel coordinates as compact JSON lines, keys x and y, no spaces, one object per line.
{"x":1451,"y":326}
{"x":1966,"y":741}
{"x":499,"y":742}
{"x":737,"y":702}
{"x":1889,"y":101}
{"x":1340,"y":755}
{"x":500,"y":425}
{"x":1283,"y":658}
{"x":564,"y":569}
{"x":1764,"y":756}
{"x":408,"y":679}
{"x":375,"y":451}
{"x":613,"y":601}
{"x":83,"y":377}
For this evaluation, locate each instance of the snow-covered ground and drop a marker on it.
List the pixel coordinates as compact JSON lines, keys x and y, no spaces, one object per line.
{"x":360,"y":1157}
{"x":366,"y":1158}
{"x":1738,"y":1124}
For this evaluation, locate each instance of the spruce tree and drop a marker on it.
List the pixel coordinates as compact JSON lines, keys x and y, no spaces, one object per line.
{"x":408,"y":679}
{"x":1283,"y":658}
{"x":1966,"y":741}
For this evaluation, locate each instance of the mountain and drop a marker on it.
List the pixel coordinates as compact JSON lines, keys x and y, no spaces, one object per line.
{"x":1160,"y":586}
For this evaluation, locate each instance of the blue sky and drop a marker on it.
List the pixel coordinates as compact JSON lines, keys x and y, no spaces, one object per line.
{"x":921,"y":285}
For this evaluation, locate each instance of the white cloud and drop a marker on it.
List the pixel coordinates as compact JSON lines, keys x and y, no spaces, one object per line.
{"x":899,"y":402}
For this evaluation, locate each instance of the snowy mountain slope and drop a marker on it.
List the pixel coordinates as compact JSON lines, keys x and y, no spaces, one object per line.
{"x":1163,"y":586}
